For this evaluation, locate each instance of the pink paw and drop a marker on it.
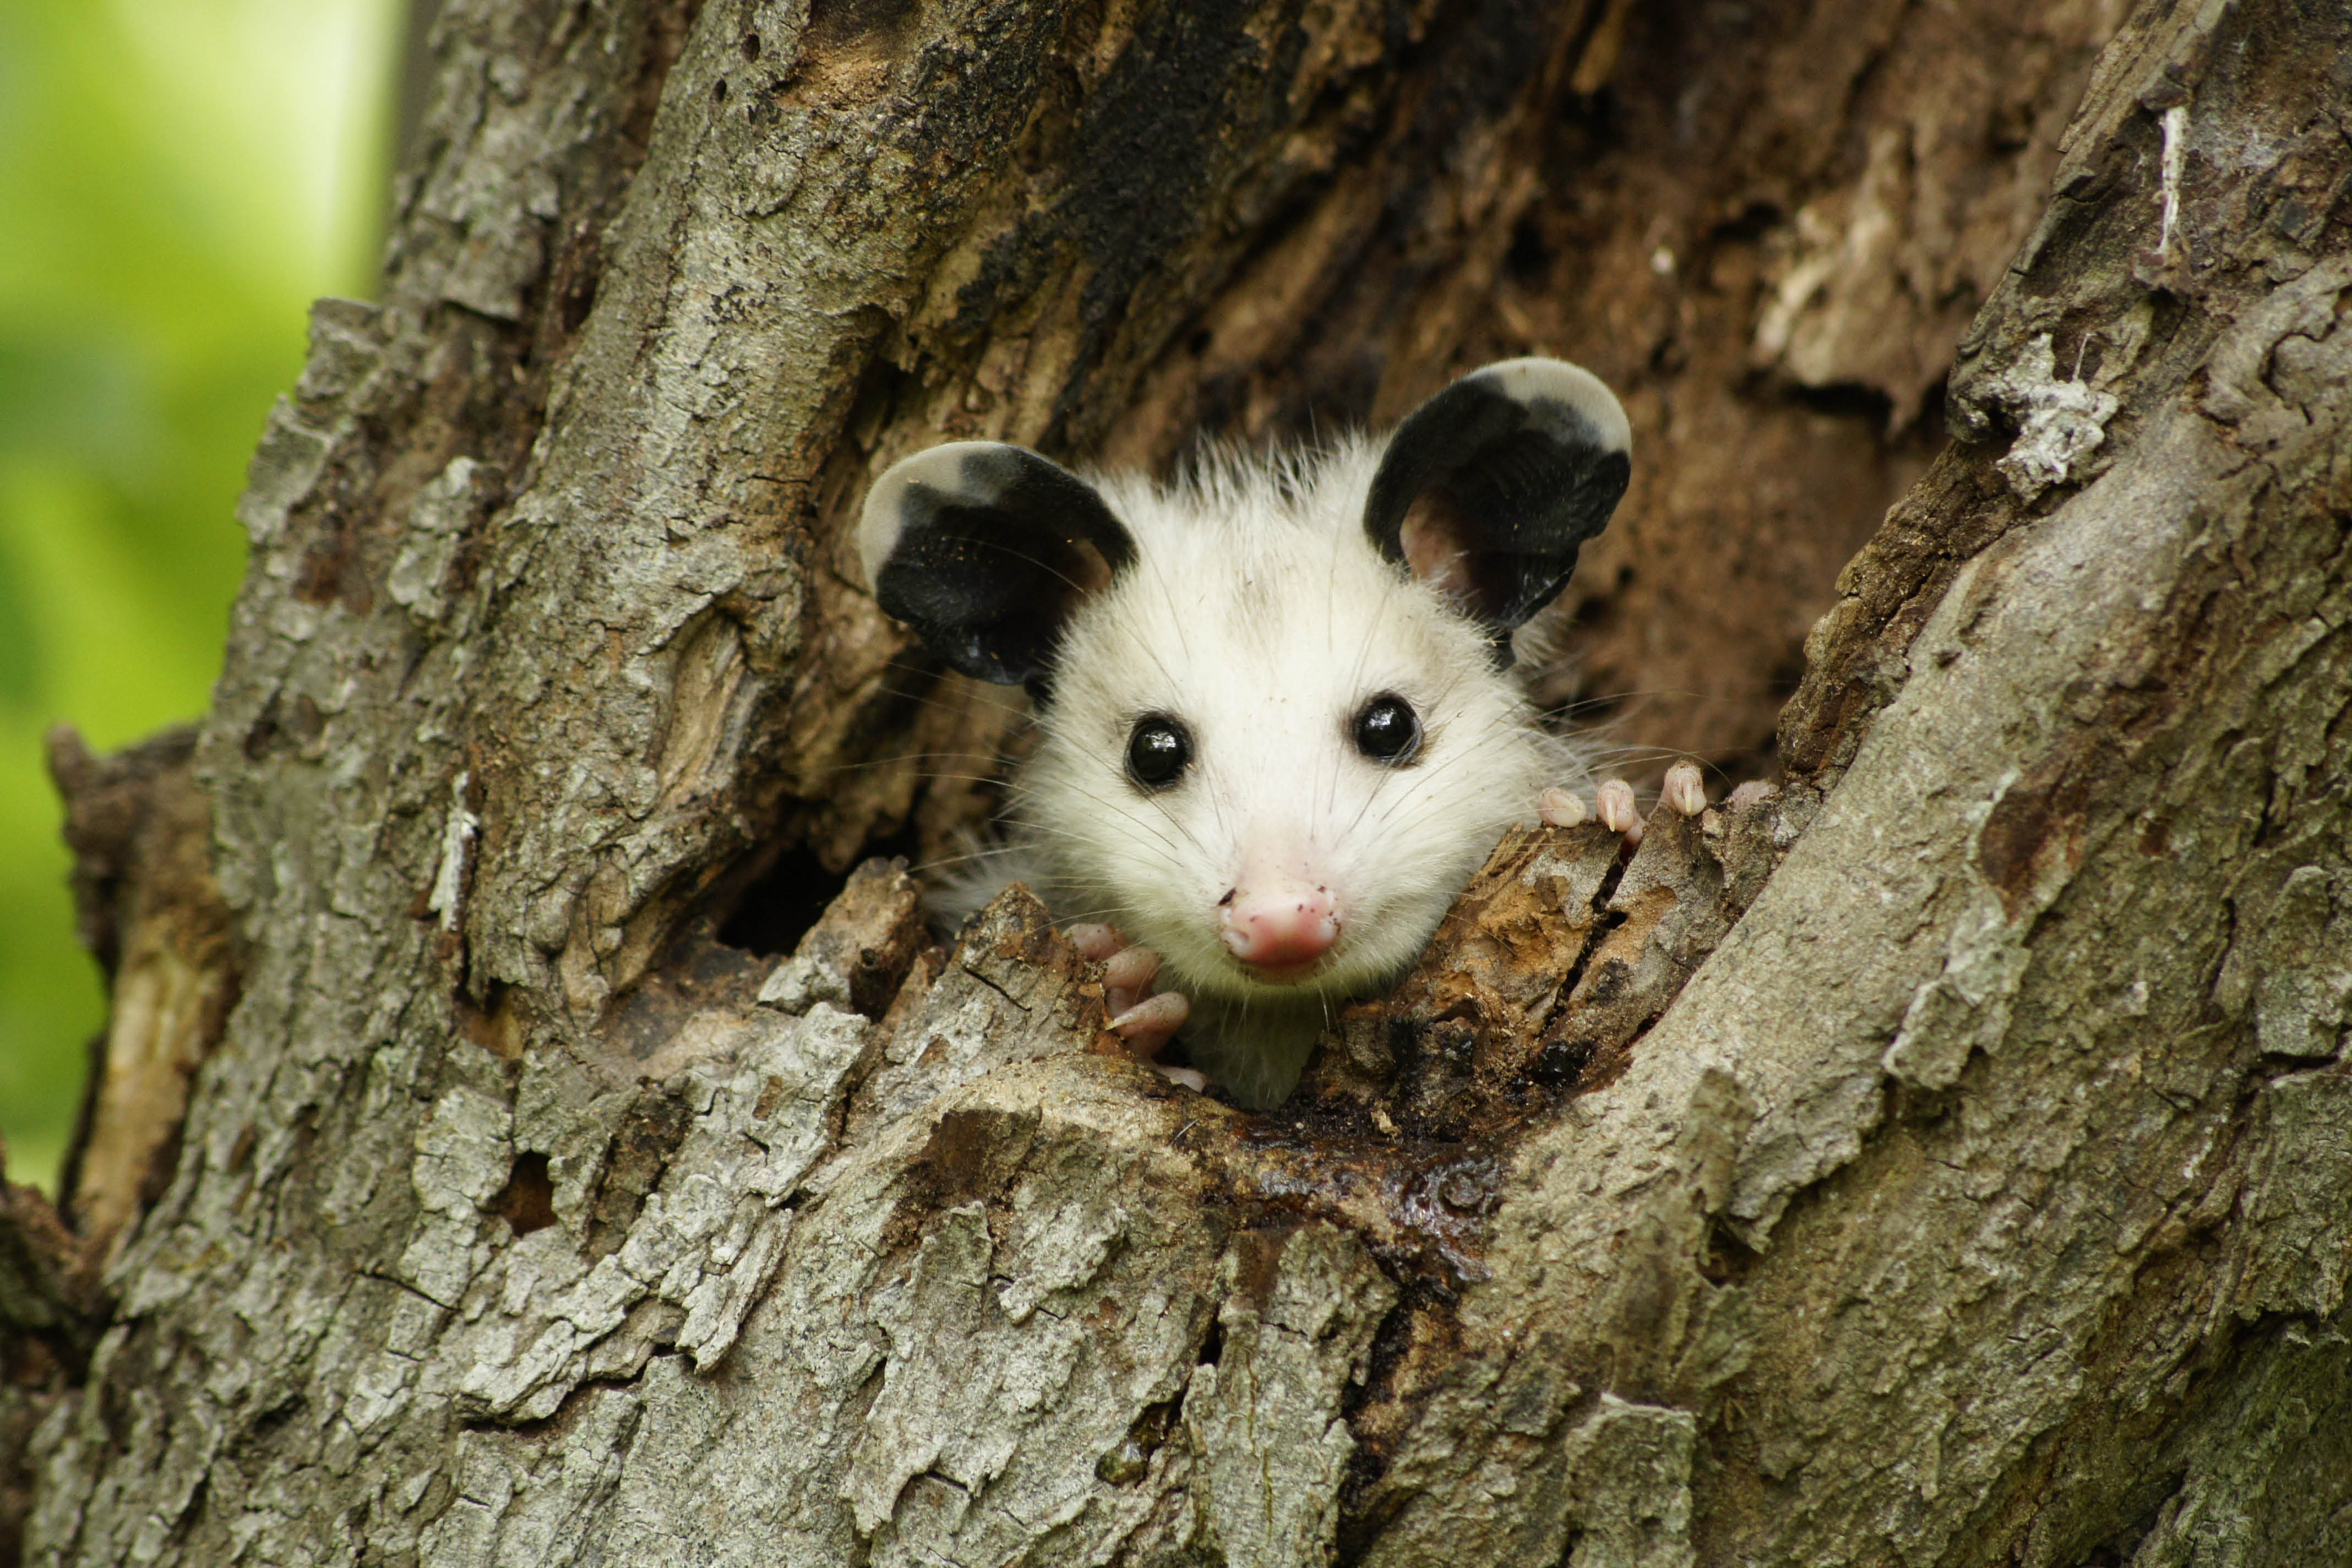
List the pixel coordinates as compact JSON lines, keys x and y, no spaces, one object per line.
{"x":1143,"y":1020}
{"x":1684,"y":791}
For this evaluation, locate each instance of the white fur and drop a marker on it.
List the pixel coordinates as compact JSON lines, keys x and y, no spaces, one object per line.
{"x":1259,"y":614}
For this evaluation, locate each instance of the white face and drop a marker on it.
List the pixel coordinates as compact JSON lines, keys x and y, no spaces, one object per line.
{"x":1261,"y":702}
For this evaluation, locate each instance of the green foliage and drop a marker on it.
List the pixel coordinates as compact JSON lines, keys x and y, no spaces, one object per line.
{"x":182,"y":177}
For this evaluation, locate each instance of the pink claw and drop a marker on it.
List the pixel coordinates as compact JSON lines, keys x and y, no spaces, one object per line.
{"x":1685,"y":789}
{"x":1128,"y":976}
{"x":1561,"y":807}
{"x":1617,"y":811}
{"x":1096,"y":941}
{"x":1148,"y":1026}
{"x":1130,"y":968}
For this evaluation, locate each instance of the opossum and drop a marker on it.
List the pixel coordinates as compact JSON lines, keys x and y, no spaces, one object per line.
{"x":1278,"y":724}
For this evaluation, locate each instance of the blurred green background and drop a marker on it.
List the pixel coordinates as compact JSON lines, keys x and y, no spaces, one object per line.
{"x":178,"y":179}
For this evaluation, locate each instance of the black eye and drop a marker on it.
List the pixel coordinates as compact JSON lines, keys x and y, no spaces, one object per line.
{"x":1157,"y":751}
{"x":1388,"y":730}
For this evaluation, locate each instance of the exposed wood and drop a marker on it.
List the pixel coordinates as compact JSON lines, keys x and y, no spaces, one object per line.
{"x":150,"y":911}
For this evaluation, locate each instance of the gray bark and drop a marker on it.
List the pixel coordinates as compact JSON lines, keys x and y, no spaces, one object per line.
{"x":1948,"y":1161}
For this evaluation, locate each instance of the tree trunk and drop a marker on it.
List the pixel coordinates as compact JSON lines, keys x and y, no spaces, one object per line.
{"x":1948,"y":1160}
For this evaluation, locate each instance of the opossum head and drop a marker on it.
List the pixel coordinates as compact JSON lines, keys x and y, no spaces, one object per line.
{"x":1277,"y":730}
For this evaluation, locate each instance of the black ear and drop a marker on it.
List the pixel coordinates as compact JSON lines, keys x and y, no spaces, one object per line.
{"x":1489,"y":487}
{"x":985,"y":549}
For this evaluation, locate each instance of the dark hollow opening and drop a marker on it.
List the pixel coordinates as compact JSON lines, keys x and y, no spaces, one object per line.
{"x":782,"y":903}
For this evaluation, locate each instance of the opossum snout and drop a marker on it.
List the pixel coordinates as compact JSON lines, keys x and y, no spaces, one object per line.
{"x":1279,"y":927}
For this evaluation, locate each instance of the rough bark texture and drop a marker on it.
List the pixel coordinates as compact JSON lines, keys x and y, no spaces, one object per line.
{"x":1948,"y":1160}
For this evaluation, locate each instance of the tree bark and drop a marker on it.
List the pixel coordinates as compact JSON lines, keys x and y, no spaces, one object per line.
{"x":1949,"y":1160}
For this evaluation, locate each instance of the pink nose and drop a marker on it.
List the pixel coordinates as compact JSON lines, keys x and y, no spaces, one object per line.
{"x":1280,"y":924}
